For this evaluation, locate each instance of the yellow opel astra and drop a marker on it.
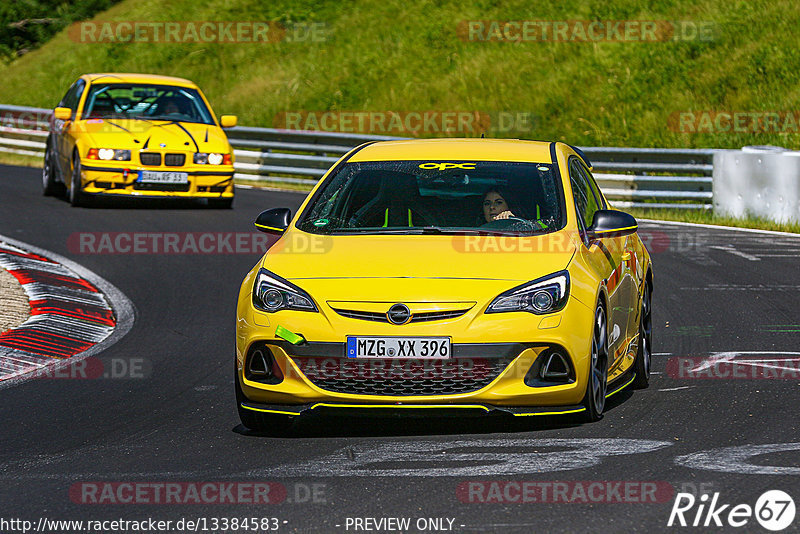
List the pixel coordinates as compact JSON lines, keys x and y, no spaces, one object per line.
{"x":138,"y":135}
{"x":450,"y":275}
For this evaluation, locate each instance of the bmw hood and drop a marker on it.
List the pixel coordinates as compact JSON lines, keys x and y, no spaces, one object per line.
{"x":135,"y":134}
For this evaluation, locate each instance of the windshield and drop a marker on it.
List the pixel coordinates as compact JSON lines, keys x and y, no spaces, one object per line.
{"x":437,"y":197}
{"x":145,"y":101}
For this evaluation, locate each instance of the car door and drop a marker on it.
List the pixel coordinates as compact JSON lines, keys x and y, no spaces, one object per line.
{"x":64,"y":130}
{"x":603,"y":255}
{"x":628,"y":284}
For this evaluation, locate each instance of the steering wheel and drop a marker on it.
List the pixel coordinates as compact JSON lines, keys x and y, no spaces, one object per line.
{"x":501,"y":224}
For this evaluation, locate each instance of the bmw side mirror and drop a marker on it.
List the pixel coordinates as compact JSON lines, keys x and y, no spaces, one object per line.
{"x":62,"y":114}
{"x":228,"y":121}
{"x":611,"y":223}
{"x":274,"y":221}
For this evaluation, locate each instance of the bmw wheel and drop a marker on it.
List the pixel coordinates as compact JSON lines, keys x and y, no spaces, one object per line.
{"x":644,"y":355}
{"x":76,"y":195}
{"x":595,"y":399}
{"x":49,"y":185}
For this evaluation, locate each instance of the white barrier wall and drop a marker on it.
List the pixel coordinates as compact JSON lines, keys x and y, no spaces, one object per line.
{"x":756,"y":182}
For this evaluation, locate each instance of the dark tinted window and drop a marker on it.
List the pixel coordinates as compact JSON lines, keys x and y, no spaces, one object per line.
{"x":73,"y":96}
{"x":398,"y":196}
{"x":586,"y":203}
{"x":593,"y":185}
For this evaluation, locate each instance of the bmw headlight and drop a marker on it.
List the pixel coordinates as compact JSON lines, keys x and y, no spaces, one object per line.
{"x":544,"y":295}
{"x":272,"y":293}
{"x":212,"y":158}
{"x":109,"y":154}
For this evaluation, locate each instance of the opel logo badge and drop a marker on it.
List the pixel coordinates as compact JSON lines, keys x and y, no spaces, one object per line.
{"x":399,"y":314}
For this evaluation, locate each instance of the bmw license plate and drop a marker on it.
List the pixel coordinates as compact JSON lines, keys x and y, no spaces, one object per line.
{"x":157,"y":177}
{"x":398,"y":347}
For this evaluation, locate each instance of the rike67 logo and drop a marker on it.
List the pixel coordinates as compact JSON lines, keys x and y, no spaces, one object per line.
{"x":774,"y":510}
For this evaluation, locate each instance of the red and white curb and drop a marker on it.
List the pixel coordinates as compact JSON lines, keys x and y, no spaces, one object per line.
{"x":74,"y":313}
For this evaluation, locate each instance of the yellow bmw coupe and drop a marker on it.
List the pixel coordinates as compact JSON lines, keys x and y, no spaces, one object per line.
{"x":138,"y":135}
{"x":448,"y":275}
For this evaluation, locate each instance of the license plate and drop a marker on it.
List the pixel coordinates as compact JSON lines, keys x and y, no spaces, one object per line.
{"x":398,"y":347}
{"x":156,"y":177}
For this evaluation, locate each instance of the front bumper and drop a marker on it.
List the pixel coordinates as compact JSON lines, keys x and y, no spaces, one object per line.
{"x":422,"y":410}
{"x":475,"y":335}
{"x":119,"y":181}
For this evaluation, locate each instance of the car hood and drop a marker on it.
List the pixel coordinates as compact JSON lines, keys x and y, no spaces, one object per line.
{"x":135,"y":134}
{"x":299,"y":255}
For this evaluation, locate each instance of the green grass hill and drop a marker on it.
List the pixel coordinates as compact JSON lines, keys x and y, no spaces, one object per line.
{"x":416,"y":56}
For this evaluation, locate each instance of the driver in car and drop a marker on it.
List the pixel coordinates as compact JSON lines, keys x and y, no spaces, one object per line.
{"x":495,"y":206}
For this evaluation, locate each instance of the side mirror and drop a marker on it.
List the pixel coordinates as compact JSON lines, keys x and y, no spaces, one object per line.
{"x":274,"y":221}
{"x":611,"y":223}
{"x":62,"y":114}
{"x":228,"y":121}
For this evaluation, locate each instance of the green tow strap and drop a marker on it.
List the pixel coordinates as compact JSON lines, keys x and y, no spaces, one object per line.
{"x":289,"y":336}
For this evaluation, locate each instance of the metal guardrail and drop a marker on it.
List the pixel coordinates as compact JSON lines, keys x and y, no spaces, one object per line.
{"x":630,"y":177}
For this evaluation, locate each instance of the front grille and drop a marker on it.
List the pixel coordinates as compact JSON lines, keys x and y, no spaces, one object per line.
{"x":150,"y":158}
{"x":416,"y":318}
{"x":174,"y":160}
{"x":398,"y":377}
{"x":437,"y":316}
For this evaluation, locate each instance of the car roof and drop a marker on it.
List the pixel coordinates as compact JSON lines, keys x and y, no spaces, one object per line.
{"x":121,"y":77}
{"x":456,"y":149}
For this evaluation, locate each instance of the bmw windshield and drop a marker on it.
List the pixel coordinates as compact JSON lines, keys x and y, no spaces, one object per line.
{"x":424,"y":197}
{"x":146,"y":102}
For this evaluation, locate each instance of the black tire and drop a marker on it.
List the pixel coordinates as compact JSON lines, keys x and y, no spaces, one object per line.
{"x":220,"y":203}
{"x":76,"y":196}
{"x":258,"y":422}
{"x":645,"y":352}
{"x":49,"y":185}
{"x":595,"y":398}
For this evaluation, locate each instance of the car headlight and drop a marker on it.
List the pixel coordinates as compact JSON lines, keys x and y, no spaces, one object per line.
{"x":212,"y":158}
{"x":109,"y":154}
{"x":272,"y":293}
{"x":544,"y":295}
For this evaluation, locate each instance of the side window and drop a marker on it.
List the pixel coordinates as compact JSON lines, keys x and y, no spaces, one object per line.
{"x":69,"y":97}
{"x":585,"y":201}
{"x":593,"y":185}
{"x":73,"y":96}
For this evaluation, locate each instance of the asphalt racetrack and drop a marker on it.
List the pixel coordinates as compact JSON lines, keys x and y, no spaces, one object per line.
{"x":721,"y":414}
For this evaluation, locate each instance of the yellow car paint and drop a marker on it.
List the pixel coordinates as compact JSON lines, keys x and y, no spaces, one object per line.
{"x":77,"y":135}
{"x":442,"y":272}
